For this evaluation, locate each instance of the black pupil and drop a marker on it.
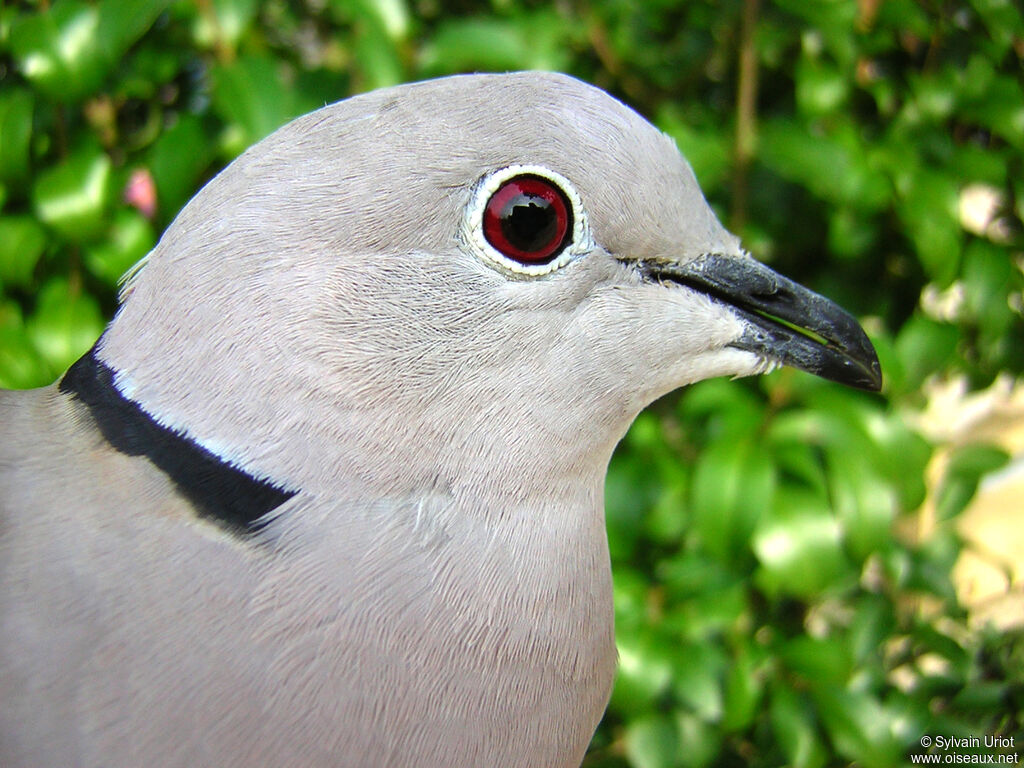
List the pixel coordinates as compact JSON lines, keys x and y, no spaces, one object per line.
{"x":529,"y":222}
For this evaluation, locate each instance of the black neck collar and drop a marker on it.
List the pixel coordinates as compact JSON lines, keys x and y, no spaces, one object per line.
{"x":220,"y":492}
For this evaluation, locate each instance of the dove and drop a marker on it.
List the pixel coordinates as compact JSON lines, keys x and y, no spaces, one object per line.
{"x":328,"y":490}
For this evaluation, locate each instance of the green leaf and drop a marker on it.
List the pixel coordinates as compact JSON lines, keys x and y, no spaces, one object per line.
{"x":122,"y":22}
{"x":733,"y":486}
{"x":666,"y":521}
{"x":984,"y":697}
{"x":906,"y":16}
{"x":64,"y":325}
{"x":859,"y":727}
{"x":645,"y":669}
{"x":630,"y":490}
{"x":224,"y":23}
{"x":379,"y":59}
{"x":934,"y":97}
{"x":820,"y":87}
{"x":799,"y":463}
{"x":1001,"y":110}
{"x":932,"y":562}
{"x":829,"y":22}
{"x":823,"y":427}
{"x":391,"y":17}
{"x":732,"y":410}
{"x":743,"y":690}
{"x":533,"y":41}
{"x":819,"y":661}
{"x":976,"y":460}
{"x":21,"y":366}
{"x":850,"y":233}
{"x":928,"y":206}
{"x":59,"y":50}
{"x":490,"y":44}
{"x":710,"y":611}
{"x":250,"y":95}
{"x":697,"y":679}
{"x":652,"y":742}
{"x":72,"y":198}
{"x":699,"y":742}
{"x":16,"y":107}
{"x":975,"y":80}
{"x":707,"y":151}
{"x":872,"y":623}
{"x":863,"y":502}
{"x":835,"y":165}
{"x":631,"y":590}
{"x":1001,"y":19}
{"x":130,"y":238}
{"x":902,"y":455}
{"x":988,"y":279}
{"x":799,"y":549}
{"x":177,"y":161}
{"x":22,"y":241}
{"x":794,"y":727}
{"x":967,"y":466}
{"x":68,"y":50}
{"x":925,"y":346}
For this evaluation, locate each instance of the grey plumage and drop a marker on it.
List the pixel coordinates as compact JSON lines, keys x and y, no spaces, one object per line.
{"x":326,"y":317}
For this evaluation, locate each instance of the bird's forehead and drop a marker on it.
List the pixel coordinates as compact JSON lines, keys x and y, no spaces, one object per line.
{"x":429,"y":143}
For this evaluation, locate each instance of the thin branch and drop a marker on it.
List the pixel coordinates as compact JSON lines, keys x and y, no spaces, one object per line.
{"x":746,"y":114}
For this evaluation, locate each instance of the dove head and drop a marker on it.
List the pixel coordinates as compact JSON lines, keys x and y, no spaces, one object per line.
{"x":436,"y":282}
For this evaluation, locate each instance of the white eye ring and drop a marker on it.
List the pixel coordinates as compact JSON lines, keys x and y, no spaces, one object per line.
{"x":579,"y":239}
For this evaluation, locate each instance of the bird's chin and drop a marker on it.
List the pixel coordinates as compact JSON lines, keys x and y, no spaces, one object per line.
{"x":737,"y":363}
{"x":724,"y":362}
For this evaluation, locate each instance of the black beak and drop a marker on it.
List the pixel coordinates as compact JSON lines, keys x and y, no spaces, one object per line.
{"x":785,"y":321}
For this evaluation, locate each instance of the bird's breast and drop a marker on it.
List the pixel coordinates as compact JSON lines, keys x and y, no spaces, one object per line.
{"x":455,"y":641}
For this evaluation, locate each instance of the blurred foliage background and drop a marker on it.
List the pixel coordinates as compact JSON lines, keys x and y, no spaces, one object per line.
{"x":778,"y":599}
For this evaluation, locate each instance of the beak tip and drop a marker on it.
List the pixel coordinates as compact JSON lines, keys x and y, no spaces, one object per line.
{"x":873,"y":381}
{"x":862,"y":371}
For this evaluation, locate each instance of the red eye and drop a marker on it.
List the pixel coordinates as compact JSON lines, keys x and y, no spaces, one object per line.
{"x":528,"y":219}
